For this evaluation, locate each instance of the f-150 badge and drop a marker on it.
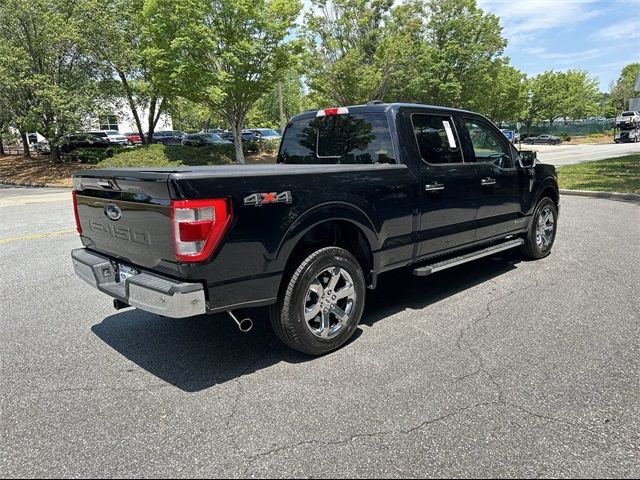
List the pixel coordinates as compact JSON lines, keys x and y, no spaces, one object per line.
{"x":260,"y":199}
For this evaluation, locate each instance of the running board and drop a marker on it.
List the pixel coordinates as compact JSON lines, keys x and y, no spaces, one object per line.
{"x":452,"y":262}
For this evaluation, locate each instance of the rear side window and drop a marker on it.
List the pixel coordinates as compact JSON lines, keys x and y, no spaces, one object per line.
{"x":346,"y":139}
{"x":437,"y":139}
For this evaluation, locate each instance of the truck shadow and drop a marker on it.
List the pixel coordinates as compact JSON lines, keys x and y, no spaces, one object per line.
{"x":198,"y":353}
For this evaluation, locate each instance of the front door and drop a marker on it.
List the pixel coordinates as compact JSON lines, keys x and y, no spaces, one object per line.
{"x":503,"y":186}
{"x":449,"y":185}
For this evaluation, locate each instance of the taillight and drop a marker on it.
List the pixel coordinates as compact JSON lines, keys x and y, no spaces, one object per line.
{"x":330,"y":112}
{"x":75,"y":211}
{"x":198,"y":227}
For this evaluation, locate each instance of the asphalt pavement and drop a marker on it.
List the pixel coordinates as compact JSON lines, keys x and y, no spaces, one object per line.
{"x":565,"y":154}
{"x":496,"y":368}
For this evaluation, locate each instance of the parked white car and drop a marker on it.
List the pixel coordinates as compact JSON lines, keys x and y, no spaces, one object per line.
{"x":112,"y":135}
{"x":628,"y":119}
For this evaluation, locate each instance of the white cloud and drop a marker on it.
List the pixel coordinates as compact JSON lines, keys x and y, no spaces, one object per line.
{"x":559,"y":58}
{"x":626,"y":30}
{"x":522,"y":19}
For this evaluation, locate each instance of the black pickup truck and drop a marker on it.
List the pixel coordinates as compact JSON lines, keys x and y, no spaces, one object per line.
{"x":356,"y":191}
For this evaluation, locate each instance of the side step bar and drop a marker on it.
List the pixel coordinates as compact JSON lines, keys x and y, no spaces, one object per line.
{"x":452,"y":262}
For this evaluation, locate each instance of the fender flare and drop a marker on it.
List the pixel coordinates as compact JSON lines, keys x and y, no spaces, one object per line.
{"x":323,"y":213}
{"x":548,"y":182}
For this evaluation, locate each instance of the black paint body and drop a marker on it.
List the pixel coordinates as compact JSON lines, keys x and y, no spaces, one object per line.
{"x":387,"y":203}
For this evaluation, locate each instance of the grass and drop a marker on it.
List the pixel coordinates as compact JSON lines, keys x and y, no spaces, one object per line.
{"x":613,"y":175}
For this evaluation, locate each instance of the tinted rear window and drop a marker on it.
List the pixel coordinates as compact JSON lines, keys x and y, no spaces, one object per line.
{"x":354,"y":138}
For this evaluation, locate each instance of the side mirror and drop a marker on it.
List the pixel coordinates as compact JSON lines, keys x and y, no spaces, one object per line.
{"x":528,"y":158}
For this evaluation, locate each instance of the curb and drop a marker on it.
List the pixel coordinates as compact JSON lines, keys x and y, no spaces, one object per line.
{"x":633,"y":197}
{"x":33,"y":185}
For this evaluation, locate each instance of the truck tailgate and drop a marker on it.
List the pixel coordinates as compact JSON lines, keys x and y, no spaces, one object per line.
{"x":126,"y":215}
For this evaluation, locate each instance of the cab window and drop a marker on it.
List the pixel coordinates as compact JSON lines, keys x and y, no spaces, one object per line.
{"x":436,"y":138}
{"x":488,"y":145}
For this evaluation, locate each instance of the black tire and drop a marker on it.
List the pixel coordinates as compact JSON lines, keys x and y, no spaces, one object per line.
{"x":287,"y":316}
{"x":531,"y":249}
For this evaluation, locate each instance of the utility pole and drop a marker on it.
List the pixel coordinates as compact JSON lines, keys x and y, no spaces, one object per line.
{"x":283,"y":118}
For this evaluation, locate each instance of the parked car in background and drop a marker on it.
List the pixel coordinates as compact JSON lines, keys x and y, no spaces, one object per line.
{"x":202,"y":139}
{"x":168,"y":137}
{"x":112,"y":136}
{"x":217,"y":131}
{"x":628,"y":119}
{"x":247,"y":136}
{"x":134,"y":138}
{"x":266,"y":134}
{"x":544,"y":139}
{"x":627,"y":136}
{"x":42,"y":148}
{"x":84,"y":140}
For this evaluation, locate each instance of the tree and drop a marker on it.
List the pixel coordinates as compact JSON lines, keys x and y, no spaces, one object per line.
{"x":505,"y":98}
{"x":464,"y":45}
{"x":346,"y":59}
{"x":579,"y":94}
{"x":49,"y":37}
{"x":266,"y":111}
{"x":624,"y":88}
{"x":222,"y":53}
{"x":122,"y":57}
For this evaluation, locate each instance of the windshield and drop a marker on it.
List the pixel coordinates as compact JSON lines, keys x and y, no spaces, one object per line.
{"x":267,"y":132}
{"x":112,"y":132}
{"x":213,"y":137}
{"x":354,"y":138}
{"x":627,"y":114}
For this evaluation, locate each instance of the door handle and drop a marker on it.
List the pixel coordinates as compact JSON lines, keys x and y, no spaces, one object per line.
{"x":487,"y":181}
{"x":433,"y":187}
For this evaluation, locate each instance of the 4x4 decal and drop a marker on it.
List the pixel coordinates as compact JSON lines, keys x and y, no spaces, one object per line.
{"x":259,"y":199}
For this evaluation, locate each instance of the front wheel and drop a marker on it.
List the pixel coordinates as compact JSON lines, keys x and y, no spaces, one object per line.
{"x":542,"y":230}
{"x":321,"y":303}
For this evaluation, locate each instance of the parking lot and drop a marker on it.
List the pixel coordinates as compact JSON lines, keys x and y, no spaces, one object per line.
{"x":500,"y":367}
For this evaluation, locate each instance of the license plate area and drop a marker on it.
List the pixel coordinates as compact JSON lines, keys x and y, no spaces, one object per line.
{"x":125,"y":272}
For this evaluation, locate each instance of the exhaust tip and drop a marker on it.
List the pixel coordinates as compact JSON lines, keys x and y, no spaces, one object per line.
{"x":246,"y":325}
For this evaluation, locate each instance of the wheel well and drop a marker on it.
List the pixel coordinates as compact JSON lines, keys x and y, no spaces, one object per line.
{"x":338,"y":233}
{"x":551,"y":193}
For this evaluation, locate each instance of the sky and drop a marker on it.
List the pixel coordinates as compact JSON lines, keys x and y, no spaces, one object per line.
{"x":599,"y":36}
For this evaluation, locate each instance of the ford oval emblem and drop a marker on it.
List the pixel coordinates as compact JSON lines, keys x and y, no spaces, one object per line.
{"x":113,"y":211}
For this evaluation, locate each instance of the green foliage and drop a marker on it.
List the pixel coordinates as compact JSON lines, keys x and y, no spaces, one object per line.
{"x":266,"y":111}
{"x":268,"y":146}
{"x":222,"y":53}
{"x":565,"y":137}
{"x":45,"y":64}
{"x":623,"y":90}
{"x":93,"y":155}
{"x":122,"y":57}
{"x":170,"y":156}
{"x":347,"y":63}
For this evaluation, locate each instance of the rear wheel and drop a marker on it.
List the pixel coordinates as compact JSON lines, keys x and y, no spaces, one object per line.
{"x":542,"y":231}
{"x":322,"y":303}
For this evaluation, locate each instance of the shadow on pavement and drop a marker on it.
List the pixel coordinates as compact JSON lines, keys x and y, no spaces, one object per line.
{"x":200,"y":352}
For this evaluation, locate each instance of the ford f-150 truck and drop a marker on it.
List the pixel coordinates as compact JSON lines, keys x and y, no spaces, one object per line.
{"x":356,"y":191}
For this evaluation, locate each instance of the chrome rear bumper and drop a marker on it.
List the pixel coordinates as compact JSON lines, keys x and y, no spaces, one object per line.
{"x":146,"y":291}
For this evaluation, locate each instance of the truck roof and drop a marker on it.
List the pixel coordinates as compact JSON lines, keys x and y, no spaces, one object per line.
{"x":383,"y":107}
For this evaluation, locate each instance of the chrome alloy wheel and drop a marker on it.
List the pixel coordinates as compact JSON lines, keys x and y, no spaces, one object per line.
{"x":329,"y":302}
{"x":545,"y":229}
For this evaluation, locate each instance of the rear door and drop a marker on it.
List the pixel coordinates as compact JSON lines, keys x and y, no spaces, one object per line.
{"x":502,"y":185}
{"x":449,"y":186}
